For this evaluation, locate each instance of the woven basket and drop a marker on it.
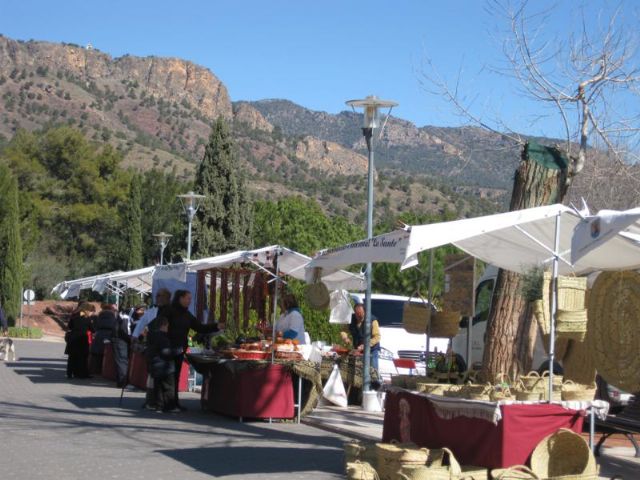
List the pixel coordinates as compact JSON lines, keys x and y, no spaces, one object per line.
{"x":517,"y":472}
{"x":360,"y":451}
{"x":477,"y":391}
{"x":500,"y":394}
{"x":571,"y":298}
{"x":361,"y":471}
{"x":564,"y":455}
{"x":528,"y":396}
{"x":572,"y":325}
{"x":317,"y":296}
{"x":576,"y":392}
{"x":455,"y":391}
{"x":434,"y":388}
{"x":415,"y":317}
{"x":614,"y":328}
{"x":445,"y":324}
{"x":391,"y":457}
{"x":436,"y":470}
{"x":557,"y":386}
{"x":532,"y":381}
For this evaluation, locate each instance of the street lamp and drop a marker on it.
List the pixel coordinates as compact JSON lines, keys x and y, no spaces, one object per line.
{"x":371,"y":120}
{"x":163,"y":240}
{"x":190,"y":202}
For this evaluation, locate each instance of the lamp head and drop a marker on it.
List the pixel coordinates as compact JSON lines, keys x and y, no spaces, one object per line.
{"x":191,"y":201}
{"x":371,"y":106}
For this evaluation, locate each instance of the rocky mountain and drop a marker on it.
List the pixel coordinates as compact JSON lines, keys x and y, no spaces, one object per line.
{"x":158,"y":112}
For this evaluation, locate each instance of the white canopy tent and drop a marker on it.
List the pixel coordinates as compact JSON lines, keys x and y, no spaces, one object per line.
{"x":517,"y":241}
{"x":141,"y":280}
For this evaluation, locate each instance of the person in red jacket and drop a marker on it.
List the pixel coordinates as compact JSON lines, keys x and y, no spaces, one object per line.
{"x":181,"y":320}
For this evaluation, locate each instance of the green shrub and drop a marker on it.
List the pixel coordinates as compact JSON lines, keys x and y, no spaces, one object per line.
{"x":25,"y":332}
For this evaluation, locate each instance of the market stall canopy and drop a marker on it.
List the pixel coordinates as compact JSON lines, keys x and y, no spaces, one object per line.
{"x":290,"y":263}
{"x":515,"y":241}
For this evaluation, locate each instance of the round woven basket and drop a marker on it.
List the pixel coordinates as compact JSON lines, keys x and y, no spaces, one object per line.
{"x":435,"y":470}
{"x":391,"y":457}
{"x":528,"y":396}
{"x":361,"y":471}
{"x":433,"y":388}
{"x":317,"y":296}
{"x":517,"y":472}
{"x":565,"y":455}
{"x":445,"y":324}
{"x":572,"y":325}
{"x":360,"y":451}
{"x":415,"y":317}
{"x":614,"y":328}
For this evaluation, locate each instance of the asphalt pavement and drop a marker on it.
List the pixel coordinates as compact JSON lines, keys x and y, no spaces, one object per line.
{"x":54,"y":428}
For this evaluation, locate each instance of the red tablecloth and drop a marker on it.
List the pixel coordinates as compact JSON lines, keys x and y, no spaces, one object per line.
{"x":251,"y":393}
{"x":138,"y":372}
{"x":108,"y":365}
{"x":475,"y":441}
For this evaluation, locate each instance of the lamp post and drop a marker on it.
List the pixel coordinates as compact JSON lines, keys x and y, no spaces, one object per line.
{"x":163,"y":240}
{"x":190,"y":202}
{"x":371,"y":120}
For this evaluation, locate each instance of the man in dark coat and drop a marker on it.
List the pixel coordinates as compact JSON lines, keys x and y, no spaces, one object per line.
{"x":161,"y":365}
{"x":181,"y":320}
{"x":79,"y":329}
{"x":4,"y":326}
{"x":120,"y":343}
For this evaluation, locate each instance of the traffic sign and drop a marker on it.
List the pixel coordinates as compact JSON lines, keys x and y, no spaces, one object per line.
{"x":29,"y":295}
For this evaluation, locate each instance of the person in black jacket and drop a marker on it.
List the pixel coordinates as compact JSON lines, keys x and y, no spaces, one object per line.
{"x":78,"y":330}
{"x":180,"y":322}
{"x":120,"y":343}
{"x":104,"y":324}
{"x":161,"y":365}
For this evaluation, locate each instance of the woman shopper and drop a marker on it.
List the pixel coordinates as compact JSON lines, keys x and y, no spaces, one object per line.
{"x":181,"y":320}
{"x":104,"y":324}
{"x":78,"y":331}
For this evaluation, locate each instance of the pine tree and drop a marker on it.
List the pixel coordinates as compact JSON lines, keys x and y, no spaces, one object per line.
{"x":11,"y":272}
{"x":133,"y":228}
{"x":224,"y":219}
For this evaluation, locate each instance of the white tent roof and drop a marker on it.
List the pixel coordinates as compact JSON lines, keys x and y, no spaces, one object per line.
{"x":290,"y":263}
{"x":516,"y":241}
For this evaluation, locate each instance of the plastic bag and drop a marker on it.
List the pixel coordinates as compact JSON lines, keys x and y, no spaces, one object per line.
{"x":334,"y":389}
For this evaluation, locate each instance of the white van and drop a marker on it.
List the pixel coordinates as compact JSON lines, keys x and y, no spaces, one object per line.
{"x":484,"y":295}
{"x":395,"y":341}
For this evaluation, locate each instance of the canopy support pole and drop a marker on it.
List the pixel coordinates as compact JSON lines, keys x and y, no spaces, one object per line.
{"x":470,"y":319}
{"x":554,"y":305}
{"x":275,"y":303}
{"x":430,"y":292}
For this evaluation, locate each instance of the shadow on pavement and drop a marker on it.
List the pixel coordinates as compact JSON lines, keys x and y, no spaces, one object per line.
{"x":230,"y":460}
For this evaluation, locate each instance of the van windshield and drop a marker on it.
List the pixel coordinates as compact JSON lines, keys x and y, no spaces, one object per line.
{"x":388,"y":312}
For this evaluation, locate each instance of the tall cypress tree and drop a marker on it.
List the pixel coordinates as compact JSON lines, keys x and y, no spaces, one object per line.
{"x":11,"y":271}
{"x":224,"y":218}
{"x":133,"y":225}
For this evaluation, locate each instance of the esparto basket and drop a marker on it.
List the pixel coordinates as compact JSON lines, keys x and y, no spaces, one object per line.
{"x":572,"y":324}
{"x":445,"y":324}
{"x":360,"y":451}
{"x":517,"y":472}
{"x":391,"y":457}
{"x":564,"y":455}
{"x":415,"y":316}
{"x":577,"y":392}
{"x":361,"y":471}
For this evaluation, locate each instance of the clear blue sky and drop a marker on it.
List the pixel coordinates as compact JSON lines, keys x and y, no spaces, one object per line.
{"x":315,"y":53}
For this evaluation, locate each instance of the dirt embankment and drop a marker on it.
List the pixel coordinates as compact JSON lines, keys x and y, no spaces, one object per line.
{"x":49,"y":315}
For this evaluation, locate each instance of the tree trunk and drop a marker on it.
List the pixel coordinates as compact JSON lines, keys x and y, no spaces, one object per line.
{"x":511,"y":332}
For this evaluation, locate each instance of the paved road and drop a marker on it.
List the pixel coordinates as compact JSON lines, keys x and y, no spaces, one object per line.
{"x":53,"y":428}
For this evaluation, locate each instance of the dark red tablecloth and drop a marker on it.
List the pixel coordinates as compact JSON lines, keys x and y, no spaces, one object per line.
{"x":476,"y":441}
{"x":265,"y":392}
{"x":108,"y":365}
{"x":138,"y":372}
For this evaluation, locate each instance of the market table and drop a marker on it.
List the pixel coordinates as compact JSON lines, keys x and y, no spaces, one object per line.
{"x":138,"y":372}
{"x":257,"y":389}
{"x":478,"y":433}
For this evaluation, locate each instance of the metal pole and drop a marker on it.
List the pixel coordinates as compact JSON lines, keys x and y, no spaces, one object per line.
{"x":275,"y":307}
{"x":470,"y":320}
{"x":21,"y":305}
{"x":368,"y":135}
{"x":554,"y":305}
{"x":430,"y":292}
{"x":189,"y":237}
{"x":162,"y":254}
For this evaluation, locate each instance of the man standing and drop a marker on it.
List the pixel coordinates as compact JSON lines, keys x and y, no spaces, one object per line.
{"x":356,"y":329}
